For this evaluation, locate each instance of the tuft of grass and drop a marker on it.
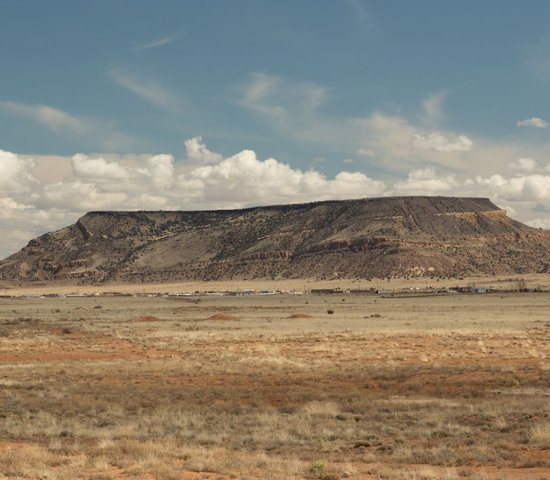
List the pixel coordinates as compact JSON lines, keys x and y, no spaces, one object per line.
{"x":322,"y":409}
{"x":540,"y":434}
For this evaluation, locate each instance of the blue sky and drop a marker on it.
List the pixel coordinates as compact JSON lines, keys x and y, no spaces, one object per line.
{"x":370,"y":97}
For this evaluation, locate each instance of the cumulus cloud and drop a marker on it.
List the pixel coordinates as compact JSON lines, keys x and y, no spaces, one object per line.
{"x":160,"y":170}
{"x":534,"y":187}
{"x":197,"y":151}
{"x":535,"y":122}
{"x":16,"y":173}
{"x":425,"y":182}
{"x":243,"y":179}
{"x":97,"y":168}
{"x":442,"y":142}
{"x":80,"y":196}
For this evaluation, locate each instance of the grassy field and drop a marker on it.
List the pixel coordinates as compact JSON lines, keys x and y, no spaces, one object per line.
{"x":276,"y":387}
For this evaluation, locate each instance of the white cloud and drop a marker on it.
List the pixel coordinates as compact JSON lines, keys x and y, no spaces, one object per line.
{"x":156,"y":172}
{"x":442,"y":142}
{"x":150,"y":91}
{"x":9,"y":208}
{"x":354,"y":185}
{"x":16,"y":173}
{"x":387,"y":135}
{"x":425,"y":182}
{"x":534,"y":187}
{"x":522,"y":165}
{"x":198,"y":152}
{"x":159,"y":42}
{"x":243,"y":179}
{"x":98,"y":168}
{"x":365,"y":152}
{"x":258,"y":93}
{"x":52,"y":118}
{"x":529,"y":188}
{"x":160,"y":170}
{"x":533,"y":122}
{"x":80,"y":196}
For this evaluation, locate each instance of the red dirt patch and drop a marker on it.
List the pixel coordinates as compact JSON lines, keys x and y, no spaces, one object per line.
{"x":223,"y":316}
{"x":145,"y":318}
{"x":300,"y":315}
{"x":85,"y":347}
{"x":14,"y":445}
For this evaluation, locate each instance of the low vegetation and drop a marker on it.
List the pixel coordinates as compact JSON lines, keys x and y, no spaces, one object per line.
{"x":424,"y":391}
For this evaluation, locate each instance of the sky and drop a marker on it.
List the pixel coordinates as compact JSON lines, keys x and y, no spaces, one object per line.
{"x":194,"y":104}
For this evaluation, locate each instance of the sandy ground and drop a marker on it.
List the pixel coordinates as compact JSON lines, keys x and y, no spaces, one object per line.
{"x":284,"y":386}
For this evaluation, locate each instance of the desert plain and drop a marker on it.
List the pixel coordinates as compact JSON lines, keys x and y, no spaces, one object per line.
{"x":276,"y":387}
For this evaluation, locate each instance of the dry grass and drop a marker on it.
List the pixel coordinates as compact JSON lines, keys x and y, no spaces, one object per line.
{"x":423,"y":391}
{"x":540,"y":434}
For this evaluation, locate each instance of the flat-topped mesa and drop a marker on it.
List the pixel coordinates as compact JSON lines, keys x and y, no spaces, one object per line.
{"x":374,"y":206}
{"x":378,"y":237}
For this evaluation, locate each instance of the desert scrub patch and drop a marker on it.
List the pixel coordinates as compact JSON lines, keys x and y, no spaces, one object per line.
{"x":322,"y":409}
{"x":540,"y":434}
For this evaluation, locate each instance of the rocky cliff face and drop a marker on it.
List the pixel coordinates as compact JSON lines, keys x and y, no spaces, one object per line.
{"x":380,"y":237}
